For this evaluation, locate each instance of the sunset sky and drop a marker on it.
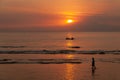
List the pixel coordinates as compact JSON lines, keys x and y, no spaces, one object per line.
{"x":52,"y":15}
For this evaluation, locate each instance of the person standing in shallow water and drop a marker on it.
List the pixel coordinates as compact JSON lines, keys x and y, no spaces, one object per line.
{"x":93,"y":64}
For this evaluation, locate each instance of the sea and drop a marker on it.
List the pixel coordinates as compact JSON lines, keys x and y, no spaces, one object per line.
{"x":57,"y":40}
{"x":58,"y":66}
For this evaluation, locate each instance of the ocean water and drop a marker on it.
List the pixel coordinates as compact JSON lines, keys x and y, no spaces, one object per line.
{"x":107,"y":65}
{"x":56,"y":41}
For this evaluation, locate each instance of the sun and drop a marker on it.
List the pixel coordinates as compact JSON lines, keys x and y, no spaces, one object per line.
{"x":69,"y":21}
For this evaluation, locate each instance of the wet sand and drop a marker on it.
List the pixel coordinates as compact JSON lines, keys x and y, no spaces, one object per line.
{"x":108,"y":67}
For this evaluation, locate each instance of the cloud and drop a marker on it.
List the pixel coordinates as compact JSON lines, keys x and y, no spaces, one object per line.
{"x":48,"y":22}
{"x":99,"y":23}
{"x":29,"y":21}
{"x":27,"y":18}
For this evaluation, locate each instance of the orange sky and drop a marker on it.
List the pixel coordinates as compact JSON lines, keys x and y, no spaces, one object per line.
{"x":21,"y":14}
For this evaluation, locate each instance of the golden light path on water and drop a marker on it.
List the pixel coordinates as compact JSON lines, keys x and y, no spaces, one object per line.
{"x":69,"y":44}
{"x":69,"y":75}
{"x":69,"y":72}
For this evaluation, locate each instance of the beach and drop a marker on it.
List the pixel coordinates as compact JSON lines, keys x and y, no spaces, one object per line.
{"x":107,"y":67}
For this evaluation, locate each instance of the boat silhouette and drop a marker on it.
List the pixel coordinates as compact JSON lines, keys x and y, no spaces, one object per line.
{"x":74,"y":47}
{"x":69,"y":38}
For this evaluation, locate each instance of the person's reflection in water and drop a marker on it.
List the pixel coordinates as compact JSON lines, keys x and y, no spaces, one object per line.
{"x":93,"y":72}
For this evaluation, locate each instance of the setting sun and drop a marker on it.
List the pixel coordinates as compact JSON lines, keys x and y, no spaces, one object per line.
{"x":70,"y":21}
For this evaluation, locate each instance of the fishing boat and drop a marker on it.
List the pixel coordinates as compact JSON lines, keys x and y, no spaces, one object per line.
{"x":69,"y":37}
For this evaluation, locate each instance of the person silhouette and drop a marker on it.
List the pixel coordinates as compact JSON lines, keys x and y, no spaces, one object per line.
{"x":93,"y":68}
{"x":93,"y":64}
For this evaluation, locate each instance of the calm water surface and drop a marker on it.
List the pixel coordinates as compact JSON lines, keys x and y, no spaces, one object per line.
{"x":56,"y":40}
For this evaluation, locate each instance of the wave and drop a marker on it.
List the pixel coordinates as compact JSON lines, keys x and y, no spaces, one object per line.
{"x":53,"y":61}
{"x":12,"y":46}
{"x":40,"y":61}
{"x":61,"y":52}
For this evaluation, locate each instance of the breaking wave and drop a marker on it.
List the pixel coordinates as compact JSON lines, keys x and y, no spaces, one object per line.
{"x":60,"y":52}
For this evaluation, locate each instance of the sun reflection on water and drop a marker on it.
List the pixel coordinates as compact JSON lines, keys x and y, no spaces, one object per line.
{"x":69,"y":72}
{"x":69,"y":75}
{"x":69,"y":43}
{"x":70,"y":56}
